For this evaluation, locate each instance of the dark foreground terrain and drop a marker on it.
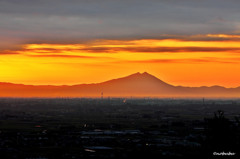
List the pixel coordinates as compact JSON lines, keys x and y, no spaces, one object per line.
{"x":119,"y":128}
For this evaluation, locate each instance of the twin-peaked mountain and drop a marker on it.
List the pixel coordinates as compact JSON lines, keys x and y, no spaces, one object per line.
{"x":135,"y":85}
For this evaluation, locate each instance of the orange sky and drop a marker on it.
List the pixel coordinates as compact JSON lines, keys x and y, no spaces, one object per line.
{"x":210,"y":60}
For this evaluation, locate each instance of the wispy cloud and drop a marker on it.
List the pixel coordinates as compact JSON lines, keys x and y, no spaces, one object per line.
{"x":187,"y":61}
{"x":172,"y":49}
{"x":8,"y":52}
{"x":185,"y":44}
{"x":138,"y":51}
{"x":61,"y":56}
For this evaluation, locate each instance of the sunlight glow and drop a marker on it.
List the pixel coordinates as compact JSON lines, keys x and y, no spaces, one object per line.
{"x":176,"y":61}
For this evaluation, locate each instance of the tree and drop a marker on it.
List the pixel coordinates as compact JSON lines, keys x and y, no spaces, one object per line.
{"x":221,"y":135}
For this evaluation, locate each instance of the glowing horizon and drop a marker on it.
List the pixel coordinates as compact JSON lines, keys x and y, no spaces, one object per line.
{"x":197,"y":60}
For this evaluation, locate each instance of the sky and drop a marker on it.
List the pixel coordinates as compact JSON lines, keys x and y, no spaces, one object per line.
{"x":66,"y":42}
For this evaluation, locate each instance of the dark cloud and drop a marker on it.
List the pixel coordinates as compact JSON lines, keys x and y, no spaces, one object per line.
{"x":73,"y":20}
{"x":178,"y":49}
{"x":158,"y":49}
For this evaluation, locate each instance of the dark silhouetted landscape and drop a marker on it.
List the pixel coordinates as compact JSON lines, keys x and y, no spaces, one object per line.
{"x":66,"y":128}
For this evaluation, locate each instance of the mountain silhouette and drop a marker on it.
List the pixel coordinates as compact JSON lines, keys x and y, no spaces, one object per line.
{"x":135,"y":85}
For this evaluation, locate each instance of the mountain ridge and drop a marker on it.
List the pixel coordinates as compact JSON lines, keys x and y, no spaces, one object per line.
{"x":137,"y":84}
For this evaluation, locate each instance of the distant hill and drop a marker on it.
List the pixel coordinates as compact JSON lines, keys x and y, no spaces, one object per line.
{"x":135,"y":85}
